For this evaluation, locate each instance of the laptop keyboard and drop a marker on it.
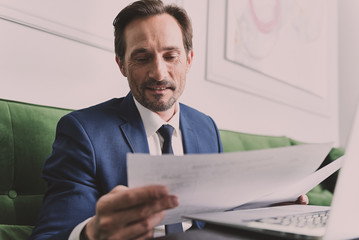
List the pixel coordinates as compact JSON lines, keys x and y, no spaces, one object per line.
{"x":307,"y":220}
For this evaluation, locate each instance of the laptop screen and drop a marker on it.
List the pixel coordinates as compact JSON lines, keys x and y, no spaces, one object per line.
{"x":343,"y":221}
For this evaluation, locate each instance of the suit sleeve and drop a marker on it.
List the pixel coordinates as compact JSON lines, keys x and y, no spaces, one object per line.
{"x":218,"y":136}
{"x":72,"y":189}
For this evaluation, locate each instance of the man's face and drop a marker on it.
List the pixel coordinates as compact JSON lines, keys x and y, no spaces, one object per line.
{"x":155,"y":61}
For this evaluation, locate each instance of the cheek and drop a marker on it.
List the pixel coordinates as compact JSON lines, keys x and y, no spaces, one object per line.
{"x":136,"y":75}
{"x":181,"y":80}
{"x":181,"y":75}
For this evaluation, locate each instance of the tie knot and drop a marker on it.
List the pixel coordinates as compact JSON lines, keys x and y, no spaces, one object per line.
{"x":166,"y":132}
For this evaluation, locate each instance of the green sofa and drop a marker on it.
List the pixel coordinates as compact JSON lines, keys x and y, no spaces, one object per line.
{"x":26,"y":135}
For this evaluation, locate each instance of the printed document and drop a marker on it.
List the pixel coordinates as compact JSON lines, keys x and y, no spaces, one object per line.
{"x":219,"y":182}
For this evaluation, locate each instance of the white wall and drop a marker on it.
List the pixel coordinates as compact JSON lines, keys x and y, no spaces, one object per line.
{"x":348,"y":65}
{"x":39,"y":67}
{"x":242,"y":111}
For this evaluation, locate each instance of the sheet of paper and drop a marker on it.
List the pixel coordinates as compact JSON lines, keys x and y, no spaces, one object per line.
{"x":217,"y":182}
{"x":290,"y":192}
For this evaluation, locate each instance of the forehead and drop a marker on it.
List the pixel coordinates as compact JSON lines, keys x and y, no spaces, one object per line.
{"x":154,"y":32}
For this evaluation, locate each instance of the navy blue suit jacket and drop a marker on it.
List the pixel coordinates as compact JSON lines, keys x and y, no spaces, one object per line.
{"x":89,"y":159}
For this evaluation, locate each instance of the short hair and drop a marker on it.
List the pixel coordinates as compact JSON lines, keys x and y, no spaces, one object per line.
{"x":146,"y":8}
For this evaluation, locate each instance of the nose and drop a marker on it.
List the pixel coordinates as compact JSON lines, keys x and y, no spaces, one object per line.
{"x":158,"y":69}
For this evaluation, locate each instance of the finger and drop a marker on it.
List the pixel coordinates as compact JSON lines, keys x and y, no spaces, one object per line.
{"x":146,"y":226}
{"x":146,"y":210}
{"x":107,"y":227}
{"x":148,"y":235}
{"x":143,"y":229}
{"x":107,"y":222}
{"x":127,"y":217}
{"x":123,"y":198}
{"x":303,"y":199}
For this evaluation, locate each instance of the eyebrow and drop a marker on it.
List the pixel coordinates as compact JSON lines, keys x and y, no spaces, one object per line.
{"x":145,"y":50}
{"x":170,"y":48}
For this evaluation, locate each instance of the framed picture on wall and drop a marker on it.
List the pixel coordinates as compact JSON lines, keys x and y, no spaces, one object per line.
{"x":274,"y":49}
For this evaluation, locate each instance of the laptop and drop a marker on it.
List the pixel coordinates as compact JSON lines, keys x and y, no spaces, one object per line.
{"x":340,"y":221}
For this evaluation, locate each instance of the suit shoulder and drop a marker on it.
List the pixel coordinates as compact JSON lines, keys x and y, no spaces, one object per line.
{"x":101,"y":111}
{"x":205,"y":129}
{"x":193,"y":113}
{"x":197,"y":118}
{"x":113,"y":103}
{"x":108,"y":105}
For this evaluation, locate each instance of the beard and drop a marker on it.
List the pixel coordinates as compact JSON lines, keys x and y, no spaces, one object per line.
{"x":159,"y":105}
{"x":157,"y":102}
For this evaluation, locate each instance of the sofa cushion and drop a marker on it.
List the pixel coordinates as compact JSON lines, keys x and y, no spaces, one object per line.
{"x":26,"y":135}
{"x":320,"y":196}
{"x":15,"y":232}
{"x":237,"y":141}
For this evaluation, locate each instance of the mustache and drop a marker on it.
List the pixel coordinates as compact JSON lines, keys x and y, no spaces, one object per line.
{"x":154,"y":83}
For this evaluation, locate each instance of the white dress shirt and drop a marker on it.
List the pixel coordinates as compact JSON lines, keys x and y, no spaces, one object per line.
{"x":152,"y":122}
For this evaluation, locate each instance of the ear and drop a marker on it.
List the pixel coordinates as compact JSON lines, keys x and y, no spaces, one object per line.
{"x":189,"y":60}
{"x":121,"y":66}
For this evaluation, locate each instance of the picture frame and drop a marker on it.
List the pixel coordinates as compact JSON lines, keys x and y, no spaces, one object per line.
{"x":223,"y":70}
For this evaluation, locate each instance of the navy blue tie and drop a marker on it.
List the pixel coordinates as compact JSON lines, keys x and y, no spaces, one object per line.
{"x":166,"y":132}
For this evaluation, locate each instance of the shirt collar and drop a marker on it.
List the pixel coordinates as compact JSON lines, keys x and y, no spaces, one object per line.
{"x":152,"y":122}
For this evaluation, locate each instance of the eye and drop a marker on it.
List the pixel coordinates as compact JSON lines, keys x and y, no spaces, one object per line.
{"x":170,"y":57}
{"x":142,"y":59}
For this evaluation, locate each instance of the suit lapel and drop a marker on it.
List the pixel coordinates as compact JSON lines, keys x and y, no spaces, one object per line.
{"x":135,"y":133}
{"x":132,"y":127}
{"x":189,"y":137}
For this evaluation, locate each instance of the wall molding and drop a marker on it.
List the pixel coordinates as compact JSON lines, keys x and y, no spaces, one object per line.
{"x":47,"y":26}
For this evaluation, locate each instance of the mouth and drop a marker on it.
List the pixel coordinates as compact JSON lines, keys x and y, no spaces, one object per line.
{"x":159,"y":89}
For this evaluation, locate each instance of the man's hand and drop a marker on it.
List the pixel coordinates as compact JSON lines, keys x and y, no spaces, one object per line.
{"x":127,"y":213}
{"x":302,"y":200}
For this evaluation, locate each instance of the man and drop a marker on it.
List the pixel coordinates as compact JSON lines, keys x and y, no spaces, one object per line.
{"x":87,"y":197}
{"x":86,"y":173}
